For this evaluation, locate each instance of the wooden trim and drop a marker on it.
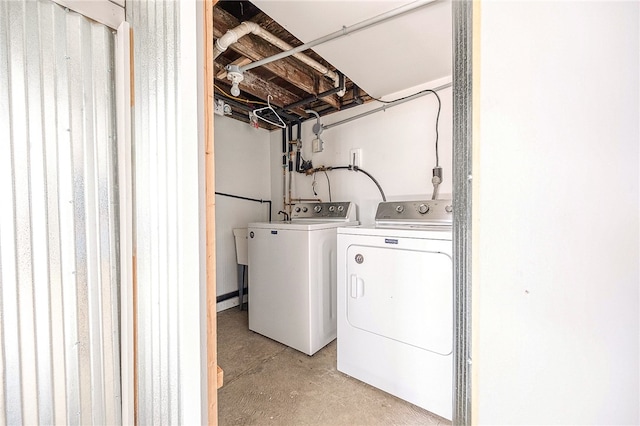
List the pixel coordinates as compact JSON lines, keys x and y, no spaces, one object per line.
{"x":214,"y":375}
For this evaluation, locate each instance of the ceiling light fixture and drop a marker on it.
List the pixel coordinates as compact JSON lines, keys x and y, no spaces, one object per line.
{"x":235,"y":75}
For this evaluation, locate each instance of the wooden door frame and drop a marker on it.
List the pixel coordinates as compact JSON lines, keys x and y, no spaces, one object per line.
{"x":214,"y":373}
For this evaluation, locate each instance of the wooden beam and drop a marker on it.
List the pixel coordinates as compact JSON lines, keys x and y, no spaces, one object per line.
{"x":261,"y":88}
{"x":289,"y":69}
{"x":210,"y":200}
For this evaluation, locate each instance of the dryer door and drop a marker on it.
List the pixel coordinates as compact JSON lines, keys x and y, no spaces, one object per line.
{"x":402,"y":290}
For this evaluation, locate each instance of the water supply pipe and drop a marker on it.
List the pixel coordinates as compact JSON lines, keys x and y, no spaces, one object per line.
{"x":284,"y":169}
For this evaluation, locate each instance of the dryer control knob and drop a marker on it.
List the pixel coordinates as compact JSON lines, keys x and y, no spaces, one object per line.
{"x":448,"y":209}
{"x":332,"y":208}
{"x":400,"y":208}
{"x":423,"y":209}
{"x":317,"y":208}
{"x":340,"y":208}
{"x":297,"y":209}
{"x":304,"y":209}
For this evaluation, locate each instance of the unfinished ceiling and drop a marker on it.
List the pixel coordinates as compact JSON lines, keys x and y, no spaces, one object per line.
{"x":400,"y":53}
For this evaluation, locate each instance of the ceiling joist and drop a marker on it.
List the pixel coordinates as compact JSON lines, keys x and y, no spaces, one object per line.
{"x":261,"y":88}
{"x":289,"y":69}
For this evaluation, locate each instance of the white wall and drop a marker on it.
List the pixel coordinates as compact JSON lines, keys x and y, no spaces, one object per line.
{"x":242,"y":168}
{"x":556,"y":214}
{"x":397,"y":149}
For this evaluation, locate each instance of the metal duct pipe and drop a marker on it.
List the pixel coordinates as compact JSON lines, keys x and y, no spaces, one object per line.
{"x":233,"y":35}
{"x":342,"y":32}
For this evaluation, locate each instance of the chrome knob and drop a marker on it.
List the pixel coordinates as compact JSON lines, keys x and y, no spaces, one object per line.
{"x":304,"y":209}
{"x":297,"y":209}
{"x":317,"y":208}
{"x":423,"y":208}
{"x":400,"y":208}
{"x":448,"y":209}
{"x":340,"y":208}
{"x":332,"y":208}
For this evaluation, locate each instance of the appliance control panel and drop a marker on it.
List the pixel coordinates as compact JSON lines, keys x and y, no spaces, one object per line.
{"x":340,"y":210}
{"x":431,"y":211}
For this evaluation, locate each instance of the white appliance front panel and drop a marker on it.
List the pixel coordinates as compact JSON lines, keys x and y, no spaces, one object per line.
{"x":402,"y":294}
{"x":292,"y":286}
{"x":278,"y":285}
{"x":384,"y":346}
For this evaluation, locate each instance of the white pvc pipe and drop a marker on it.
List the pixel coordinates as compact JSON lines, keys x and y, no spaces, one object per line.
{"x":232,"y":36}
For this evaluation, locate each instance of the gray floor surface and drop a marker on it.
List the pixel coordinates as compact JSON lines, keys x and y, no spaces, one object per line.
{"x":267,"y":383}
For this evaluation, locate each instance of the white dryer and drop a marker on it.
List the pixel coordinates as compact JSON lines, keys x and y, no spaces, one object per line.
{"x":395,"y":303}
{"x":292,"y":280}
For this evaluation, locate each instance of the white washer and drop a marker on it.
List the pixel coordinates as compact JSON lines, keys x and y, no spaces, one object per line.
{"x":395,"y":303}
{"x":292,"y":280}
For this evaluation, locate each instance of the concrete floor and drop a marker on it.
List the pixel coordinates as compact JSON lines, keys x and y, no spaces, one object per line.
{"x":267,"y":383}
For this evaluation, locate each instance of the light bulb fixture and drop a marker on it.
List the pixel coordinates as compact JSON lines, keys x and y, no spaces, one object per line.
{"x":235,"y":75}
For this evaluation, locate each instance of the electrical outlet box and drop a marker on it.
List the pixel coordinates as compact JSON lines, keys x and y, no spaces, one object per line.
{"x":317,"y":145}
{"x":355,"y":157}
{"x":220,"y":108}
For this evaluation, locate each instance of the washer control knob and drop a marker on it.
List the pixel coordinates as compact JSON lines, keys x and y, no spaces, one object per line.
{"x":332,"y":208}
{"x":340,"y":208}
{"x":304,"y":209}
{"x":448,"y":208}
{"x":400,"y":208}
{"x":298,"y":209}
{"x":317,"y":208}
{"x":423,"y":209}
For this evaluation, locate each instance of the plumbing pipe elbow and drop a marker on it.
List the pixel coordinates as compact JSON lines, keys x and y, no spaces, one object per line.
{"x":251,"y":27}
{"x":226,"y":40}
{"x":233,"y":35}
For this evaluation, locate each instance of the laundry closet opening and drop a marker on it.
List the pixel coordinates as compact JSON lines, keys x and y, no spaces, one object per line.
{"x":333,"y":175}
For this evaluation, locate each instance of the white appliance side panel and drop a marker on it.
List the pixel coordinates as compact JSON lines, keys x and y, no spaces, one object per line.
{"x":279,"y":286}
{"x":402,"y":294}
{"x":322,"y":294}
